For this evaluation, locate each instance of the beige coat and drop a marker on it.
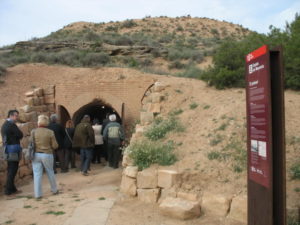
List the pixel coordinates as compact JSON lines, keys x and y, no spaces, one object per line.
{"x":98,"y":136}
{"x":44,"y":140}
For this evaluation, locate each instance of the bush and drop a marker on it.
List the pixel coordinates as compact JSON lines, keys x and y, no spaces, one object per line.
{"x":128,"y":24}
{"x":2,"y":69}
{"x":161,"y":127}
{"x":191,"y":72}
{"x":295,"y":171}
{"x":145,"y":153}
{"x":96,"y":59}
{"x":177,"y":65}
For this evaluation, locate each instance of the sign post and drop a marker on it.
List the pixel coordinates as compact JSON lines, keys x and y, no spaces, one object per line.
{"x":266,"y":137}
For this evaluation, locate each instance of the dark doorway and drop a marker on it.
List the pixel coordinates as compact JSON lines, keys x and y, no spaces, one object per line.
{"x":96,"y":110}
{"x":64,"y":115}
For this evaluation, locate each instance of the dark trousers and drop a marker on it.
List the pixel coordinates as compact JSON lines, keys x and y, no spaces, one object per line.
{"x":69,"y":158}
{"x":97,"y":153}
{"x":113,"y":153}
{"x":59,"y":154}
{"x":12,"y":169}
{"x":104,"y":151}
{"x":86,"y":155}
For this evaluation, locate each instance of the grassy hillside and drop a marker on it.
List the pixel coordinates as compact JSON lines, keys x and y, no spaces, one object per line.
{"x":159,"y":45}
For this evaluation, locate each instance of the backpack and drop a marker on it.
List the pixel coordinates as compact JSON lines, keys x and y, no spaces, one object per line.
{"x":30,"y":151}
{"x":114,"y":132}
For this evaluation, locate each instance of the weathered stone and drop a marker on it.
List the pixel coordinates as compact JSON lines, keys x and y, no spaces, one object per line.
{"x":27,"y":108}
{"x":131,"y":171}
{"x":188,"y":196}
{"x":148,"y":195}
{"x":154,"y":108}
{"x":42,"y":101}
{"x":49,"y":90}
{"x":49,"y":99}
{"x":215,"y":204}
{"x":169,"y":192}
{"x":139,"y":128}
{"x":127,"y":161}
{"x":29,"y":93}
{"x":31,"y":117}
{"x":38,"y":92}
{"x":147,"y":117}
{"x":147,"y":178}
{"x":156,"y":97}
{"x":180,"y":208}
{"x":36,"y":101}
{"x":158,"y":87}
{"x":51,"y":107}
{"x":25,"y":142}
{"x":29,"y":101}
{"x":238,"y":210}
{"x":167,"y":178}
{"x":40,"y":108}
{"x":24,"y":171}
{"x":128,"y":186}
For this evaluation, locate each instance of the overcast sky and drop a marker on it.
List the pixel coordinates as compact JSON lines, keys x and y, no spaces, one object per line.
{"x":24,"y":19}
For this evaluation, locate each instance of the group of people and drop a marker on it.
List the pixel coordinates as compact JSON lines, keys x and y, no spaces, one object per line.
{"x":52,"y":142}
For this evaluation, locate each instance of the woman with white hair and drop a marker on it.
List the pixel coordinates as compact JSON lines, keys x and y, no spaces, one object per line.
{"x":45,"y":143}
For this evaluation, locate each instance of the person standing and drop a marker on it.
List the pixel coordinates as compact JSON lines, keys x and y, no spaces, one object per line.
{"x":84,"y":138}
{"x":104,"y":149}
{"x":45,"y":143}
{"x":11,"y":136}
{"x":68,"y":142}
{"x":114,"y":135}
{"x":98,"y":141}
{"x":59,"y":135}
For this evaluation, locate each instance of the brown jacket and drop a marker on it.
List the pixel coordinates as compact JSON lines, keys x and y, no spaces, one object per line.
{"x":44,"y":140}
{"x":84,"y":136}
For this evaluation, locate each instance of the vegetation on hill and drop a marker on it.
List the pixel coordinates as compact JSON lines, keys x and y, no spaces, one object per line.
{"x":229,"y":59}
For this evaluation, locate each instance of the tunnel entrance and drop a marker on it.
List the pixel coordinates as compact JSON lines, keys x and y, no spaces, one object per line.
{"x":97,"y":109}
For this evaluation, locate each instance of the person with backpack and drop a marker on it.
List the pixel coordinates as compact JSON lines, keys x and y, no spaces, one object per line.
{"x":11,"y":136}
{"x":114,"y":135}
{"x":84,"y":138}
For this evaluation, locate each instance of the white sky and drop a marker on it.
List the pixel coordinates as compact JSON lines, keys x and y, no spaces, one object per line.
{"x":24,"y":19}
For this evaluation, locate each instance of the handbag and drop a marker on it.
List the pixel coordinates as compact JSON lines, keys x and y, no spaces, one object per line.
{"x":30,"y":151}
{"x":12,"y":153}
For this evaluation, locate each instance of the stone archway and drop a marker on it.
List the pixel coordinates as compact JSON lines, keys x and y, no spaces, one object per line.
{"x":63,"y":115}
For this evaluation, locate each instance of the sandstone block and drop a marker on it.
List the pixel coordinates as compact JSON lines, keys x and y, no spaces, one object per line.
{"x":139,"y":128}
{"x":25,"y":142}
{"x":154,"y":108}
{"x":156,"y":97}
{"x":24,"y":171}
{"x":128,"y":186}
{"x":147,"y":117}
{"x":238,"y":210}
{"x":215,"y":204}
{"x":148,"y":195}
{"x":180,"y":208}
{"x":49,"y":90}
{"x":38,"y":92}
{"x":131,"y":171}
{"x":29,"y":93}
{"x":158,"y":87}
{"x":29,"y":101}
{"x":40,"y":108}
{"x":49,"y":99}
{"x":169,"y":192}
{"x":26,"y":109}
{"x":188,"y":196}
{"x":42,"y":101}
{"x":31,"y":117}
{"x":147,"y":178}
{"x":167,"y":178}
{"x":127,"y":161}
{"x":51,"y":107}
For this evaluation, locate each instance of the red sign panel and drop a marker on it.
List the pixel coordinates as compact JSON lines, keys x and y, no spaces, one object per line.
{"x":259,"y":116}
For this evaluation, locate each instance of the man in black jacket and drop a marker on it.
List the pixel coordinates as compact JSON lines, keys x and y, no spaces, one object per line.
{"x":59,"y":136}
{"x":11,"y":135}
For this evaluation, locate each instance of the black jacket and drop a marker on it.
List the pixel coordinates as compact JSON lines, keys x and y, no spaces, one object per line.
{"x":104,"y":124}
{"x":12,"y":132}
{"x":59,"y":133}
{"x":67,"y":141}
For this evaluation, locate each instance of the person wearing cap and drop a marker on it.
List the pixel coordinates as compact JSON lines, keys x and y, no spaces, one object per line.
{"x":114,"y":135}
{"x":84,"y":138}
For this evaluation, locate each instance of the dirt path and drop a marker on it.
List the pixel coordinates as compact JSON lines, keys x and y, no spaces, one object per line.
{"x":84,"y":200}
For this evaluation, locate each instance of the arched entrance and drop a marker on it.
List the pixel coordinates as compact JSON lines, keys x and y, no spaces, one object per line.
{"x":63,"y":114}
{"x":96,"y":109}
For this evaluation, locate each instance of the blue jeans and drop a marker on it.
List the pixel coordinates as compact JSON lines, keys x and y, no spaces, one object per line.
{"x":43,"y":160}
{"x":86,"y":155}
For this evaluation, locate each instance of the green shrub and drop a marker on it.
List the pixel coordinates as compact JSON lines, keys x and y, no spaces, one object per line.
{"x":214,"y":155}
{"x":193,"y":105}
{"x":128,"y":24}
{"x":295,"y":171}
{"x":2,"y":69}
{"x":145,"y":153}
{"x":161,"y":127}
{"x":191,"y":72}
{"x":177,"y":65}
{"x":96,"y":59}
{"x":176,"y":112}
